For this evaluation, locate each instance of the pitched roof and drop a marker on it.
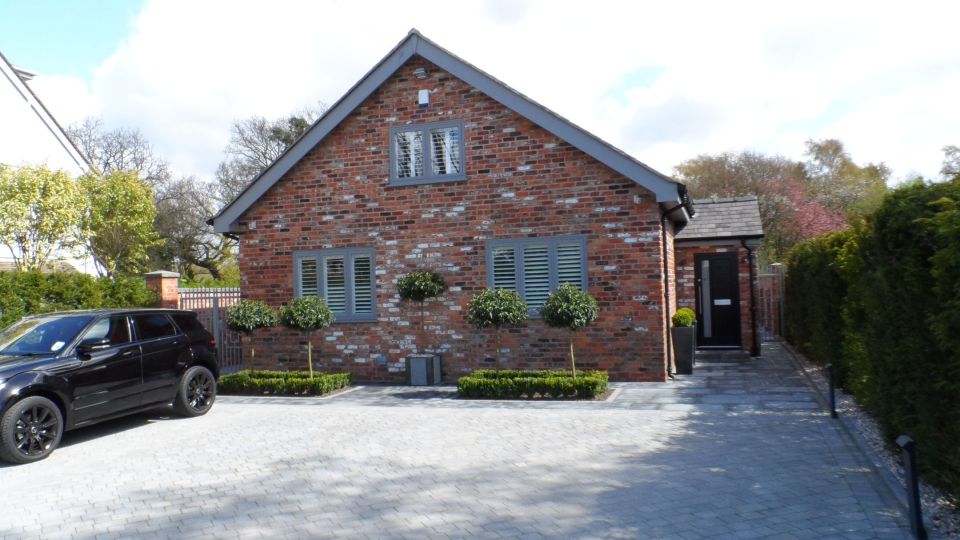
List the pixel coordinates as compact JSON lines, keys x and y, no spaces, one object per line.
{"x":668,"y":192}
{"x":18,"y":77}
{"x":717,"y":219}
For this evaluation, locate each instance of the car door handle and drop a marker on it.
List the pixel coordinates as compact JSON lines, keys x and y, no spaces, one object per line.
{"x":128,"y":352}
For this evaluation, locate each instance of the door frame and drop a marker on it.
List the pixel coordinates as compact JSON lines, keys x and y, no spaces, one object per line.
{"x":698,"y":259}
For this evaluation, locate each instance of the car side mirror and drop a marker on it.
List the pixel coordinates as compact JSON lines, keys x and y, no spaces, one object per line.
{"x":91,"y":345}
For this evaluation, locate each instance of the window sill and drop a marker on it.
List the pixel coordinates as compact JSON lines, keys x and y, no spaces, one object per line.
{"x":394,"y":182}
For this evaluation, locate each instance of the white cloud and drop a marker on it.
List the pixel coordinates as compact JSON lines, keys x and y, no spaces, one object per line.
{"x":762,"y":76}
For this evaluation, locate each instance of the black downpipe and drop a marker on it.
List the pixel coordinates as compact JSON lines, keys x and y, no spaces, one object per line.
{"x":671,"y":368}
{"x":755,"y":339}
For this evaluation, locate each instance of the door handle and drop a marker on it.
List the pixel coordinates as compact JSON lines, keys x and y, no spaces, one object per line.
{"x":128,"y":352}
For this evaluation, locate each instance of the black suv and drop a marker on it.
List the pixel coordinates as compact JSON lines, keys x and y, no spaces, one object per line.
{"x":61,"y":371}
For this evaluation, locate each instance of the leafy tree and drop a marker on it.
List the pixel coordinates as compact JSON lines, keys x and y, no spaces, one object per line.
{"x":40,"y":214}
{"x":248,"y":315}
{"x":841,"y":184}
{"x":419,"y":287}
{"x":120,"y":221}
{"x":307,"y":315}
{"x":777,"y":182}
{"x":951,"y":162}
{"x":255,"y":143}
{"x":496,"y":308}
{"x":570,"y":308}
{"x":183,"y":204}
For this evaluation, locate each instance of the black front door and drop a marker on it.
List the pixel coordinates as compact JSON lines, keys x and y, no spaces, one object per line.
{"x":718,"y":300}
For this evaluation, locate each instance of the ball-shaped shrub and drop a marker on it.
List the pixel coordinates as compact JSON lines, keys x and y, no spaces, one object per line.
{"x":421,"y":285}
{"x":570,"y":308}
{"x":306,"y":314}
{"x":496,"y":308}
{"x":248,"y":315}
{"x":684,"y":317}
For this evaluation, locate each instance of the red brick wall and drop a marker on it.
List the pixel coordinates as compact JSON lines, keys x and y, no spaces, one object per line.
{"x":686,"y":284}
{"x":522,"y":182}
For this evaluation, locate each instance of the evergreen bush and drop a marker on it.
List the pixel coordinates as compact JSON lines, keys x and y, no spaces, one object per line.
{"x":497,"y":309}
{"x":570,"y":308}
{"x":882,"y":303}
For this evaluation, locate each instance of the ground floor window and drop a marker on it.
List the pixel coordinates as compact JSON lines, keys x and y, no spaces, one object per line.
{"x":535,"y":267}
{"x":343,"y":277}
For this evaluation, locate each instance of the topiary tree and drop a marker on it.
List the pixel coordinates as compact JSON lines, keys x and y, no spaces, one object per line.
{"x":570,"y":308}
{"x":306,"y":315}
{"x":248,"y":315}
{"x":496,"y":308}
{"x":419,"y":287}
{"x":684,"y":317}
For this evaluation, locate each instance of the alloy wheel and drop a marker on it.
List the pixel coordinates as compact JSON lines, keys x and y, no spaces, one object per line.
{"x":36,"y":430}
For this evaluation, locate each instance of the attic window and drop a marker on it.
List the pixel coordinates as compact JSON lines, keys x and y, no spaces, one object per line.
{"x":426,"y":153}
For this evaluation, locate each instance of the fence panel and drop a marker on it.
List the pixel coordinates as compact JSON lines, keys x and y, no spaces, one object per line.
{"x":210,"y":306}
{"x":770,"y":305}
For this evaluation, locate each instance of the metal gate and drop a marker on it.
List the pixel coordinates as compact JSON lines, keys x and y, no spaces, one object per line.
{"x":770,"y":303}
{"x":210,"y":304}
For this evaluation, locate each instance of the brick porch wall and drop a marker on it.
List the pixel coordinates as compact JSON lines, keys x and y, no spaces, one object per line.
{"x":686,"y":281}
{"x":522,"y":182}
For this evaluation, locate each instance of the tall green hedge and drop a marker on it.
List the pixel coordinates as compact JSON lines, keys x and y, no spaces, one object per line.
{"x":26,"y":293}
{"x":882,"y":303}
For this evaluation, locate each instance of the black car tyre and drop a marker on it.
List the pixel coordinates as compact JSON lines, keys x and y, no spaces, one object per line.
{"x":30,"y":430}
{"x":198,"y":390}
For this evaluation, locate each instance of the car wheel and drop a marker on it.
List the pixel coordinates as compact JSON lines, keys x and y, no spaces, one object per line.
{"x":198,"y":390}
{"x":30,"y":430}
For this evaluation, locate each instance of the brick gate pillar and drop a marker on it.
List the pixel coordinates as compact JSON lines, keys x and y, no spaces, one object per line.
{"x":166,"y":285}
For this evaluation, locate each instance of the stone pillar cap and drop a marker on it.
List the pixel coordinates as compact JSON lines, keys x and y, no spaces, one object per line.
{"x":163,"y":273}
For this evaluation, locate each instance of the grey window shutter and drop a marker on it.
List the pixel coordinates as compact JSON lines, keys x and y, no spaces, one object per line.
{"x":335,"y":284}
{"x":536,"y":274}
{"x":362,"y":284}
{"x":505,"y":268}
{"x":309,"y":281}
{"x":570,"y":263}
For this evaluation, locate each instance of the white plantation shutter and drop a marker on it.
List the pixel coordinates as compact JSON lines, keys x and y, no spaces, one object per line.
{"x":536,"y":274}
{"x":408,"y":153}
{"x":309,"y":281}
{"x":335,"y":284}
{"x":570,"y":264}
{"x":362,"y":284}
{"x":505,"y":268}
{"x":446,"y":151}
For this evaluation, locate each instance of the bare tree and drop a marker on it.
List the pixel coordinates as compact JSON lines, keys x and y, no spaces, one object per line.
{"x":255,"y":143}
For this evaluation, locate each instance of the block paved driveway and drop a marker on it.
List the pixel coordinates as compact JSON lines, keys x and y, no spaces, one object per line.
{"x":735,"y":451}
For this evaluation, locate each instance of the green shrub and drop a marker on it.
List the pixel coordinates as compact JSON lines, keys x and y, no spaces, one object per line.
{"x":420,"y":286}
{"x":543,"y":384}
{"x":248,"y":315}
{"x":306,"y":314}
{"x":684,"y":317}
{"x":282,"y":383}
{"x":28,"y":293}
{"x":570,"y":308}
{"x":496,"y":308}
{"x":882,"y":303}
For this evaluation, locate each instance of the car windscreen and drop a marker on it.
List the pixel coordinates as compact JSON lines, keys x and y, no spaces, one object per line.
{"x":42,"y":335}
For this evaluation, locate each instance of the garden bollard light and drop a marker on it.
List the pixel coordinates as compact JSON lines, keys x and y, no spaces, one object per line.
{"x":913,"y":486}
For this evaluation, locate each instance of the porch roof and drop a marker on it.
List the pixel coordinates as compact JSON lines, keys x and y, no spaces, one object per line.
{"x":717,"y":219}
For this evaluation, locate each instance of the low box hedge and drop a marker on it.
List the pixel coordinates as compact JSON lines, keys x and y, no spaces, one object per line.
{"x":282,"y":383}
{"x":542,"y":384}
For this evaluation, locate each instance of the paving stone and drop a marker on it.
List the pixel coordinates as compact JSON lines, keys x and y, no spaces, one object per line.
{"x":738,"y":450}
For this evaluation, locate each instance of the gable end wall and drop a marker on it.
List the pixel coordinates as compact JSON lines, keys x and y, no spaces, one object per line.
{"x":521,"y":182}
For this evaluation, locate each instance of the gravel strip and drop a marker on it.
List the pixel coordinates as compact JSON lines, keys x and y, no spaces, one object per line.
{"x":940,"y":512}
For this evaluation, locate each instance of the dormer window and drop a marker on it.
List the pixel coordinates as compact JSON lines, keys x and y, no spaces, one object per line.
{"x":428,"y":153}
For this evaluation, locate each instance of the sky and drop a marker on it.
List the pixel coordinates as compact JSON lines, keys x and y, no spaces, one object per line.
{"x":664,"y":81}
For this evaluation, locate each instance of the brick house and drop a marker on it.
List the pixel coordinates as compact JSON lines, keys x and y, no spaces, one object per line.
{"x":430,"y":163}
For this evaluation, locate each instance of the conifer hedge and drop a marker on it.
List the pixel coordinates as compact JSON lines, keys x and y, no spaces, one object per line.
{"x":882,"y":303}
{"x":27,"y":293}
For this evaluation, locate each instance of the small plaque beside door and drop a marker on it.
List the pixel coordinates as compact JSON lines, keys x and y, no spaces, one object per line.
{"x":721,"y":301}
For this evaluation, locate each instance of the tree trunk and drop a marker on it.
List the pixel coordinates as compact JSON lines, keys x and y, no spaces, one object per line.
{"x":573,"y":360}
